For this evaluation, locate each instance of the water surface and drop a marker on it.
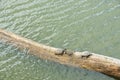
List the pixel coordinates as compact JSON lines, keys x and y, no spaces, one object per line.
{"x":79,"y":25}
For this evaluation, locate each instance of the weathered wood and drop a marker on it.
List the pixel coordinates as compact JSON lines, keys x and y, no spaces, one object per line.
{"x":103,"y":64}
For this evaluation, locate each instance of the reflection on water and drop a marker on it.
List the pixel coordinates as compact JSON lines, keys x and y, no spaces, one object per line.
{"x":91,"y":25}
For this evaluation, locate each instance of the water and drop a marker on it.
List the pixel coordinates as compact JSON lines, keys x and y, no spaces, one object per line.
{"x":91,"y":25}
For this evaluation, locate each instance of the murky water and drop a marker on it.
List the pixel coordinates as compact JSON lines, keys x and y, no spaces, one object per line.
{"x":91,"y":25}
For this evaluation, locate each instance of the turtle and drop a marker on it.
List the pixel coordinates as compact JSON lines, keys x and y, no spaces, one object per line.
{"x":60,"y":52}
{"x":86,"y":54}
{"x":64,"y":51}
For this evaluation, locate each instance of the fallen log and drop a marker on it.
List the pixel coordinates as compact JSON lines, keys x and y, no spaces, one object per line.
{"x":91,"y":61}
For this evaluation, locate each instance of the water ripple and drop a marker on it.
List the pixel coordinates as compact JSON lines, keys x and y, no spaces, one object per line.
{"x":10,"y":66}
{"x":93,"y":15}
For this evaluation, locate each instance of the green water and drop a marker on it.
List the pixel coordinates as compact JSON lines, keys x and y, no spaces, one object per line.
{"x":91,"y":25}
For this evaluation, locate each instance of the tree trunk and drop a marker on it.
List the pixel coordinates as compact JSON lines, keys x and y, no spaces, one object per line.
{"x":91,"y":61}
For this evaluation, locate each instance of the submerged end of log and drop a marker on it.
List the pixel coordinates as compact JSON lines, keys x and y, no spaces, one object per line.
{"x":103,"y":64}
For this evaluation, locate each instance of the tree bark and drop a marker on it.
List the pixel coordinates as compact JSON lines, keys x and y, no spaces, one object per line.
{"x":91,"y":61}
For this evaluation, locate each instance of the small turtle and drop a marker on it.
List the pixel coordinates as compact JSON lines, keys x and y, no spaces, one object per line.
{"x":86,"y":54}
{"x":69,"y":52}
{"x":60,"y":52}
{"x":64,"y":51}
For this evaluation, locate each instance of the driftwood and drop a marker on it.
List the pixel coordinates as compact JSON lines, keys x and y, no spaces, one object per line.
{"x":91,"y":61}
